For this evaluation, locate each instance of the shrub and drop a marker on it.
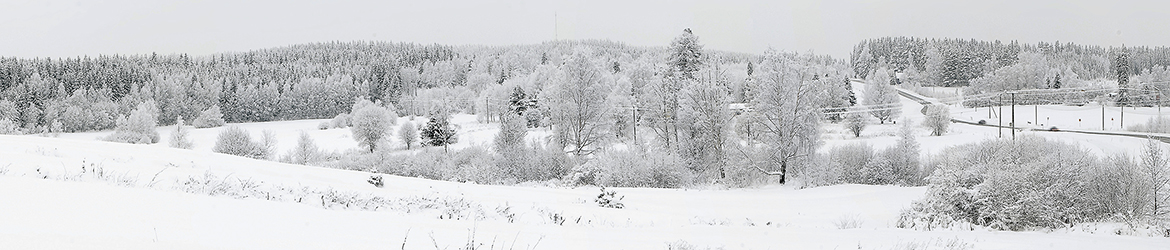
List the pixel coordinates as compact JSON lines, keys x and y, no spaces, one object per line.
{"x":376,"y":180}
{"x":8,"y":127}
{"x":179,"y":137}
{"x":635,"y":168}
{"x":850,"y":160}
{"x":1024,"y":184}
{"x":139,"y":128}
{"x":609,"y":199}
{"x":209,"y":118}
{"x":855,"y":122}
{"x":235,"y":141}
{"x":340,"y":121}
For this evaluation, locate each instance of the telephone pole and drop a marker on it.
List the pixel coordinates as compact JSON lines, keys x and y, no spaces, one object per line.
{"x":1013,"y":115}
{"x":999,"y":121}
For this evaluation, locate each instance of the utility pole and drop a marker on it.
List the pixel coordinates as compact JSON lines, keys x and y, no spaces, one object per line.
{"x":635,"y":115}
{"x":1013,"y":115}
{"x":1122,"y":116}
{"x":1000,"y":120}
{"x":1036,"y":114}
{"x":1102,"y":115}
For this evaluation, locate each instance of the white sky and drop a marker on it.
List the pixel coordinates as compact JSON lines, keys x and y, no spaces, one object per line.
{"x":37,"y":28}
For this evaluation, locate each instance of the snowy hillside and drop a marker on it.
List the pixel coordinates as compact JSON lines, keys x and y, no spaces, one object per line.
{"x":75,"y":192}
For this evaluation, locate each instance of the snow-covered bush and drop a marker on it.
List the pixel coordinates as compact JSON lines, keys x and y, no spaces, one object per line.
{"x":8,"y":127}
{"x":209,"y":118}
{"x":376,"y":180}
{"x":938,"y":119}
{"x":179,"y":137}
{"x":340,"y":121}
{"x":139,"y":128}
{"x":1025,"y":184}
{"x":609,"y":199}
{"x":1152,"y":125}
{"x":471,"y":164}
{"x":850,"y":159}
{"x":235,"y":141}
{"x":635,"y":168}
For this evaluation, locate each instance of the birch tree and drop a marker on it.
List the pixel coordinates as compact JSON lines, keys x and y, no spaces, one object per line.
{"x":577,"y":104}
{"x":785,"y":105}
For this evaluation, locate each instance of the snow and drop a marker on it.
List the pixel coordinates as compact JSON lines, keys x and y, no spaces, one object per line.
{"x":48,"y":202}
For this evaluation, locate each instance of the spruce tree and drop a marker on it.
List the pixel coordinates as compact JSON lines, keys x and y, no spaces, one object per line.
{"x":438,"y":131}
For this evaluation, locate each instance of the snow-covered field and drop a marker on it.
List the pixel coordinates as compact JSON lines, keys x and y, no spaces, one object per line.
{"x":75,"y":192}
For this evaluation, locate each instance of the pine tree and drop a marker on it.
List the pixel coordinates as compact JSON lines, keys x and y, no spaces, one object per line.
{"x":1056,"y":81}
{"x":686,"y":54}
{"x":438,"y":131}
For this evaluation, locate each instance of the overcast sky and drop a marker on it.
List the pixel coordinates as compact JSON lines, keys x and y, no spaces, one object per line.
{"x":39,"y":28}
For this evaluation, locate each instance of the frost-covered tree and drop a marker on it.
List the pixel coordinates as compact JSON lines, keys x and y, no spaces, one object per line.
{"x":408,"y":134}
{"x":686,"y":54}
{"x":1155,"y":167}
{"x":209,"y":118}
{"x":705,"y":116}
{"x":577,"y":104}
{"x":139,"y":128}
{"x":512,"y":154}
{"x":511,"y":136}
{"x":855,"y":121}
{"x":933,"y":67}
{"x":305,"y":152}
{"x":370,"y":123}
{"x":881,"y":97}
{"x":938,"y":119}
{"x":438,"y":131}
{"x":786,"y":107}
{"x":180,"y":137}
{"x":903,"y":158}
{"x":8,"y":111}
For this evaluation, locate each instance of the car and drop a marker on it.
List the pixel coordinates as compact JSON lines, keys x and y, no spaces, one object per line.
{"x":1053,"y":129}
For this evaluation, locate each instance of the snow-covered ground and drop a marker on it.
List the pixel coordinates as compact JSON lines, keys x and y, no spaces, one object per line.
{"x":141,"y":197}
